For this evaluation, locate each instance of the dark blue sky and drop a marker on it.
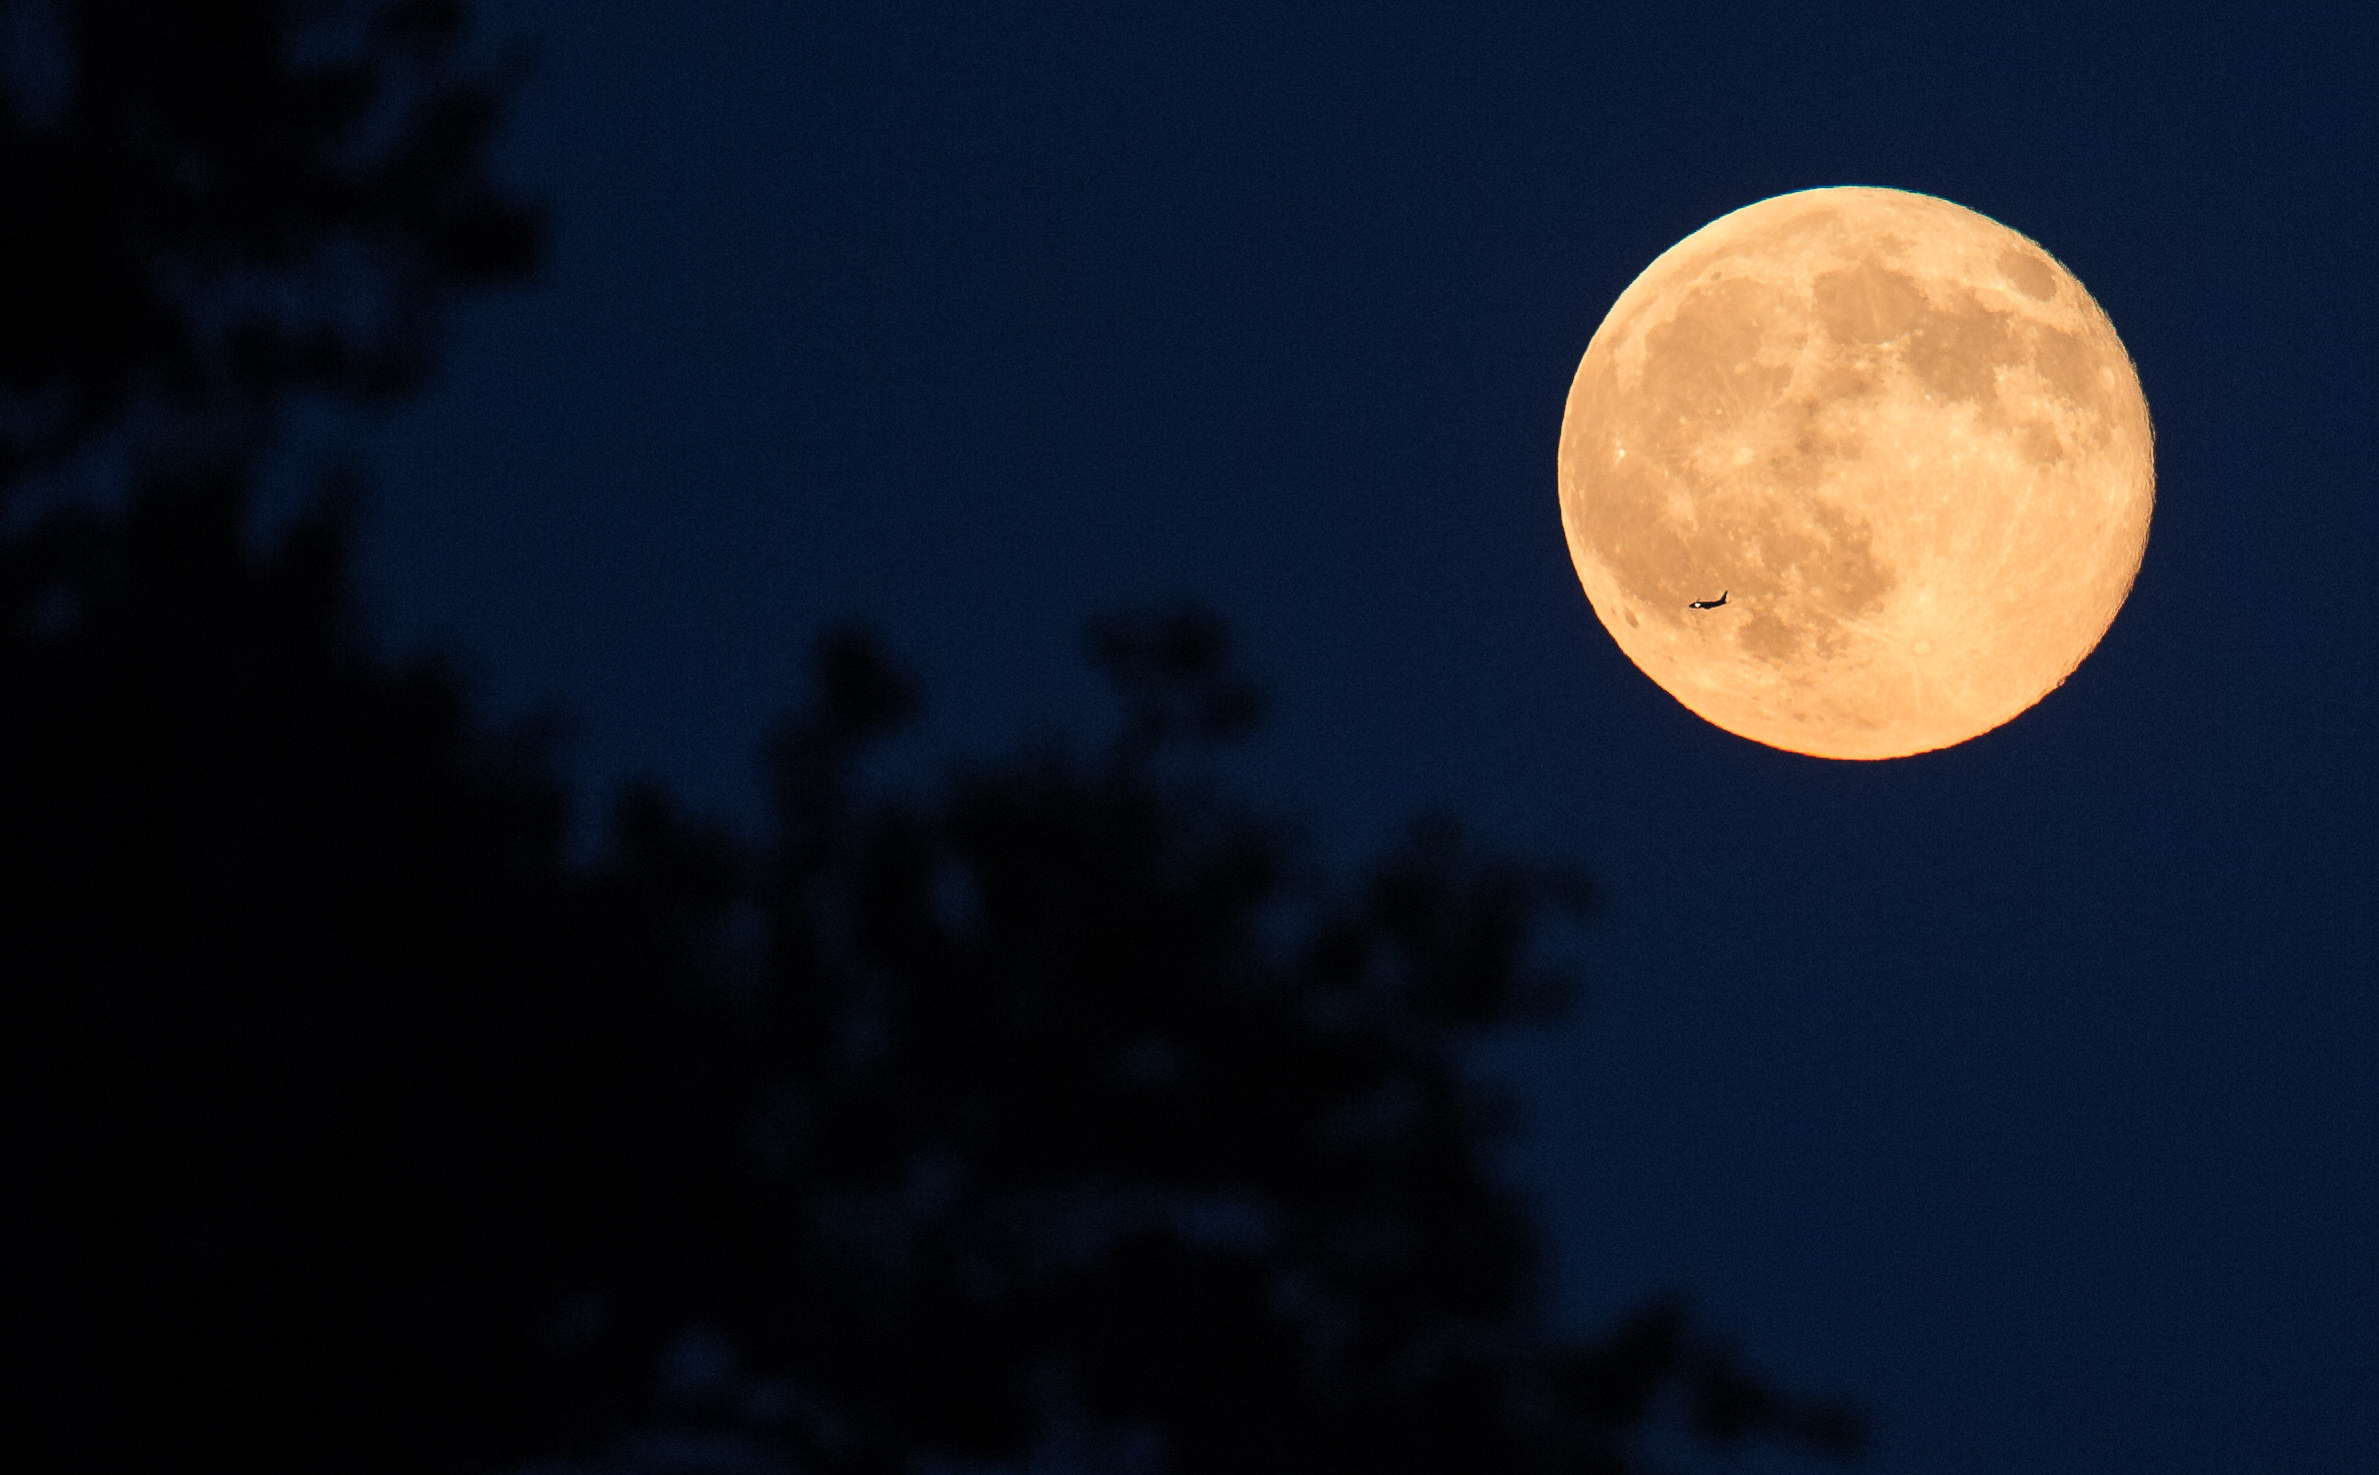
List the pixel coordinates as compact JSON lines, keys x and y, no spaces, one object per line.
{"x":2028,"y":1092}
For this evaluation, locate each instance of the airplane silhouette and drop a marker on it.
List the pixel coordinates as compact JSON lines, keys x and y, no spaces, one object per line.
{"x":1711,"y":603}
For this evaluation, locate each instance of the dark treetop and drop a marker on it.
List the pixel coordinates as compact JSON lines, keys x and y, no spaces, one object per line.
{"x":350,"y":1124}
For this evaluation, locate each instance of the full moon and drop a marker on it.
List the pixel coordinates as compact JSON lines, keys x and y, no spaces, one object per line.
{"x":1897,"y":439}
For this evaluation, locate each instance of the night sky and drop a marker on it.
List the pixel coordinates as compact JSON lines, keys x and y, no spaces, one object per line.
{"x":2027,"y":1093}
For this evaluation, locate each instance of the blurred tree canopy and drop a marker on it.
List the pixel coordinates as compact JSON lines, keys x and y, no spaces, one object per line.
{"x":1055,"y":1113}
{"x":211,"y":205}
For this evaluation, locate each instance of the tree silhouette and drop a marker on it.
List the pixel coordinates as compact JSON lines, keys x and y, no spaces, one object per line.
{"x":1091,"y":1125}
{"x":211,"y":206}
{"x":1055,"y":1112}
{"x":322,"y":1069}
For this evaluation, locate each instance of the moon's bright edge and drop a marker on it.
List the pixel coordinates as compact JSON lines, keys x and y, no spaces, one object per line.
{"x":1898,"y":436}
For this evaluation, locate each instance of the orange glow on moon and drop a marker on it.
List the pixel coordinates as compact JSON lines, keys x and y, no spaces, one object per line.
{"x":1898,"y":437}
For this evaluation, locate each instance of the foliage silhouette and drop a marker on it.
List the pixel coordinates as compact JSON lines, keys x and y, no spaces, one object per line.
{"x":1092,"y":1121}
{"x":321,"y":1065}
{"x":1054,"y":1112}
{"x":213,"y":205}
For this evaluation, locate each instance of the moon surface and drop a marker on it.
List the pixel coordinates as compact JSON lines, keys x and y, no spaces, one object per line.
{"x":1898,"y":437}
